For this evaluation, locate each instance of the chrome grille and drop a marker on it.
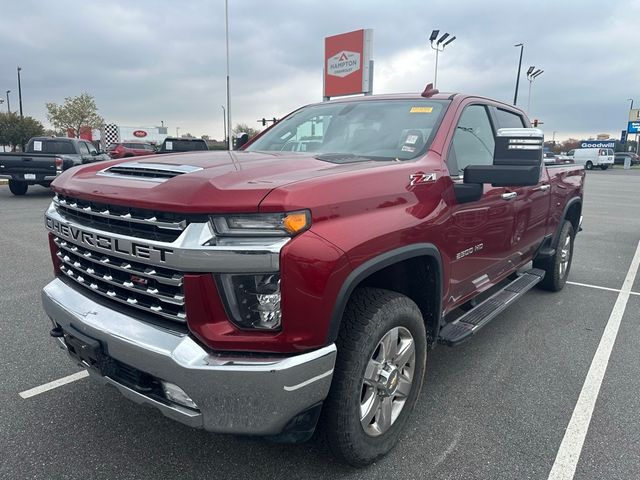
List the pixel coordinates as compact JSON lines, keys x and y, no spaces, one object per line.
{"x":158,"y":291}
{"x":135,"y":222}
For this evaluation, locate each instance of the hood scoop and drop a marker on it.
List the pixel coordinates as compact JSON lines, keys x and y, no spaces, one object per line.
{"x":153,"y":172}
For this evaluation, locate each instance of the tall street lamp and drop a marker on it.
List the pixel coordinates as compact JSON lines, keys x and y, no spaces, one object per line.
{"x":8,"y":104}
{"x":515,"y":95}
{"x":19,"y":91}
{"x":532,"y":74}
{"x":226,"y":30}
{"x":224,"y":123}
{"x":629,"y":119}
{"x":438,"y":45}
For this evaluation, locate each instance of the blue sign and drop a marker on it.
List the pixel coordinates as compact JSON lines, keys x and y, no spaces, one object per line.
{"x":623,"y":136}
{"x":633,"y":127}
{"x":598,"y":143}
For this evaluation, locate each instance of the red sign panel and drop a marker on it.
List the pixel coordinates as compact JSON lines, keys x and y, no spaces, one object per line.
{"x":139,"y":133}
{"x":346,"y":63}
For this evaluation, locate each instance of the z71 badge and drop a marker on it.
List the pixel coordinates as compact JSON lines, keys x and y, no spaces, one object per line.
{"x":417,"y":178}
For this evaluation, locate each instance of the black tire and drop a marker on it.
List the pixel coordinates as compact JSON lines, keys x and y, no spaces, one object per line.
{"x":555,"y":276}
{"x":604,"y":167}
{"x":18,"y":188}
{"x":370,"y":314}
{"x":589,"y":166}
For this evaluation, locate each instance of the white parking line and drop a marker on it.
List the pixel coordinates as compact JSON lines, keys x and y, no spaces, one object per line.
{"x":600,"y":288}
{"x":564,"y":467}
{"x":32,"y":392}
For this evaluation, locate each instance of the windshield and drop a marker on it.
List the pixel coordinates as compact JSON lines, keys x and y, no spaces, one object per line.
{"x":353,"y":131}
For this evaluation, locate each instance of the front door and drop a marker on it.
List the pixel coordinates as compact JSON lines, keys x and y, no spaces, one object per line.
{"x":478,"y":235}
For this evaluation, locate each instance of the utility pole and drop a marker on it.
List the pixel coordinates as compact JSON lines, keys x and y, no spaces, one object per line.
{"x":224,"y":124}
{"x":515,"y":95}
{"x":8,"y":104}
{"x":19,"y":91}
{"x":531,"y":76}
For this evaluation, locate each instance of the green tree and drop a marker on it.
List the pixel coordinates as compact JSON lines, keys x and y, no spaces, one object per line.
{"x":75,"y":113}
{"x":244,"y":128}
{"x":16,"y":130}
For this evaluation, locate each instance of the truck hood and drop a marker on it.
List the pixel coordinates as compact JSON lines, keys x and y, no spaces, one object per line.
{"x":217,"y":182}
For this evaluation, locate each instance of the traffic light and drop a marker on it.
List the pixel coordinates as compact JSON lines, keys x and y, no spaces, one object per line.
{"x":535,"y":123}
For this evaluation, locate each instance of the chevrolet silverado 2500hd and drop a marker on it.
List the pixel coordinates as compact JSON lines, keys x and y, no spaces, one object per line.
{"x":303,"y":279}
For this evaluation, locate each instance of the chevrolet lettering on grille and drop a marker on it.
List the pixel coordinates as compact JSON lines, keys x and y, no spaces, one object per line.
{"x":103,"y":242}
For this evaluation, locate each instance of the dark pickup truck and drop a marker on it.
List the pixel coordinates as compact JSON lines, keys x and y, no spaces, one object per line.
{"x":44,"y":159}
{"x":177,"y":145}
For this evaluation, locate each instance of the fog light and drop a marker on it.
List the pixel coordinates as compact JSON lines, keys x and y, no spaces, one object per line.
{"x":175,"y":394}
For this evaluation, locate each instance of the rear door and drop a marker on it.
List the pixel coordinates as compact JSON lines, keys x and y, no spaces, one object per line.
{"x":478,"y":234}
{"x":531,"y":203}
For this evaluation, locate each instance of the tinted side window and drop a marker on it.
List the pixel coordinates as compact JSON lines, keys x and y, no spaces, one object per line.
{"x":84,"y":150}
{"x":508,"y":119}
{"x":92,"y":148}
{"x":473,"y":142}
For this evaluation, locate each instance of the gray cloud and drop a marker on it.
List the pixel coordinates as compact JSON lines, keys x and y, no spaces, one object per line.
{"x":148,"y":61}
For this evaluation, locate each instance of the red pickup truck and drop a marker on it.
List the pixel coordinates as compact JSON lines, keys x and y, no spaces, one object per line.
{"x":302,"y":280}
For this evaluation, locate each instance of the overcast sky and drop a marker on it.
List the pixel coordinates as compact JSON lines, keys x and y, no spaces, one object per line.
{"x":147,"y":61}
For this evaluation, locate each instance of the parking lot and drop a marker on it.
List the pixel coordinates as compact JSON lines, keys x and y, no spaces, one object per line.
{"x":496,"y":407}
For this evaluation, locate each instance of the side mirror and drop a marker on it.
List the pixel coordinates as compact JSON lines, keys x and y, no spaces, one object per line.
{"x":517,"y":162}
{"x":241,"y":140}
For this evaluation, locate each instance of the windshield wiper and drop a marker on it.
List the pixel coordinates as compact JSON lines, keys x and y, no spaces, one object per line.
{"x":347,"y":157}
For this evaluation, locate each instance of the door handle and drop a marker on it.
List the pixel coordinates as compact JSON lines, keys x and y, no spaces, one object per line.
{"x":509,"y":195}
{"x":545,"y":187}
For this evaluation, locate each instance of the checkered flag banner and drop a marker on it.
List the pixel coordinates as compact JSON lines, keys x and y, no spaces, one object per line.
{"x":111,"y":134}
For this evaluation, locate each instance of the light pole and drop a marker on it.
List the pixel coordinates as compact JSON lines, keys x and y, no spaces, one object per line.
{"x":515,"y":95}
{"x":224,"y":123}
{"x":8,"y":104}
{"x":19,"y":91}
{"x":226,"y":30}
{"x":532,"y":74}
{"x":636,"y":137}
{"x":438,"y":46}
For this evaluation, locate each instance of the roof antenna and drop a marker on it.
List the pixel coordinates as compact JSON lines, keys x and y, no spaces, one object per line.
{"x":429,"y":91}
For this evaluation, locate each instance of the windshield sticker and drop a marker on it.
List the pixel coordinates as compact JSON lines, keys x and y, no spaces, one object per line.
{"x":411,"y":139}
{"x":37,"y":146}
{"x":408,"y":149}
{"x":421,"y":110}
{"x":168,"y":146}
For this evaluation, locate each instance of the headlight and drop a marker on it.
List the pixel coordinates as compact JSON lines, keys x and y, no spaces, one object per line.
{"x":262,"y":224}
{"x":253,"y":301}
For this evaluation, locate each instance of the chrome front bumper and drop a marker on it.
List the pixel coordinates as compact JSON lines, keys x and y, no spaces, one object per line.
{"x":237,"y":394}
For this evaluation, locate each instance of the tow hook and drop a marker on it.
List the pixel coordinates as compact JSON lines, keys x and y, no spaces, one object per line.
{"x":57,"y":332}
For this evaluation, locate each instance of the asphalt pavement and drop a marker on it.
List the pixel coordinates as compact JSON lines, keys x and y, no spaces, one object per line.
{"x":496,"y":407}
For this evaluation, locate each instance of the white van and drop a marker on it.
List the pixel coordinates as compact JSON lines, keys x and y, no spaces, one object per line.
{"x":594,"y":157}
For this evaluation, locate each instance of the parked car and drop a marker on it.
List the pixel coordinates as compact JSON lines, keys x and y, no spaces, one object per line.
{"x":177,"y":145}
{"x":43,"y":159}
{"x":621,"y":156}
{"x":594,"y":157}
{"x":262,"y":291}
{"x":130,"y":149}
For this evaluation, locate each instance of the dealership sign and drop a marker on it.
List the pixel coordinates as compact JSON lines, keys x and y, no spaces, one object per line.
{"x":347,"y":63}
{"x":139,"y":133}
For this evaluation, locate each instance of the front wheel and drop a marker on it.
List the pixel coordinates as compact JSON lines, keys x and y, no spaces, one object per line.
{"x":604,"y":167}
{"x":557,"y":268}
{"x":382,"y":351}
{"x":18,"y":188}
{"x":589,"y":166}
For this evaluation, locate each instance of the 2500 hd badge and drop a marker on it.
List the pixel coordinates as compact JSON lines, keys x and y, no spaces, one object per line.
{"x":114,"y":245}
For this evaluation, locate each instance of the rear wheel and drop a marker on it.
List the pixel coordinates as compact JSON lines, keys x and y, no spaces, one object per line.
{"x":18,"y":188}
{"x":589,"y":165}
{"x":382,"y":352}
{"x":604,"y":167}
{"x":557,"y":268}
